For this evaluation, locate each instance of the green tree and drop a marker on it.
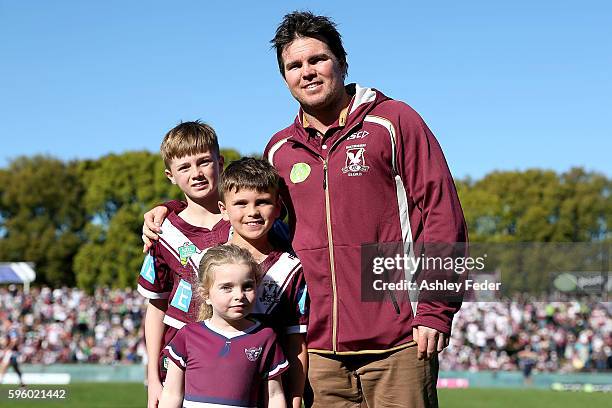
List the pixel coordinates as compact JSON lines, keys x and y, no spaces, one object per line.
{"x":80,"y":221}
{"x":42,"y":216}
{"x":535,"y":207}
{"x":585,"y":212}
{"x":538,"y":206}
{"x":119,"y":189}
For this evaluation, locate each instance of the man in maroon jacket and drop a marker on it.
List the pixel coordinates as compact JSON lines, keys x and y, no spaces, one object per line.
{"x":359,"y":168}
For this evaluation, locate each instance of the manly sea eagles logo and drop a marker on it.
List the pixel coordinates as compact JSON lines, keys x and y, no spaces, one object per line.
{"x":253,"y":353}
{"x":355,"y":161}
{"x":270,"y":292}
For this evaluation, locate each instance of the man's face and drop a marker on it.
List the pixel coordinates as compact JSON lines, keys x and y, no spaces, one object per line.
{"x":313,"y":74}
{"x":251,"y":213}
{"x":196,"y":175}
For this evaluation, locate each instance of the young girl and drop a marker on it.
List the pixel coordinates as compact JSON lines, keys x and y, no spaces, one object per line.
{"x":225,"y":359}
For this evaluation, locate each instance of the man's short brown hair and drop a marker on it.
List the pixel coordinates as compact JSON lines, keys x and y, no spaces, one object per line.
{"x":304,"y":24}
{"x":249,"y":173}
{"x":188,"y":138}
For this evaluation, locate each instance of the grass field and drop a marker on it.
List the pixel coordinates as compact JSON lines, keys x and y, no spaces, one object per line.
{"x":130,"y":395}
{"x":512,"y":398}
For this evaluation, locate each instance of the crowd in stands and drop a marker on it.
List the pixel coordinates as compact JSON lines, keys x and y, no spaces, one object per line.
{"x":66,"y":325}
{"x":567,"y":336}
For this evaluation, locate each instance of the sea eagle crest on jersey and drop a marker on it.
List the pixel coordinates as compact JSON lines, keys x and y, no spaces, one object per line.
{"x":355,"y":160}
{"x":253,"y":353}
{"x":270,"y":292}
{"x":185,"y":251}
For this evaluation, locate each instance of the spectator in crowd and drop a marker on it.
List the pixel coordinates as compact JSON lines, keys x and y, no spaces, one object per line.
{"x":10,"y":350}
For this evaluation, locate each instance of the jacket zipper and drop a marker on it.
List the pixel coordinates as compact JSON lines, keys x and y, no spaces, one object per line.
{"x":330,"y":243}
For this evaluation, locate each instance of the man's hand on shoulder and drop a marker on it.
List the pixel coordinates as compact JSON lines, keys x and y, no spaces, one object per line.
{"x":153,"y":219}
{"x":429,"y":341}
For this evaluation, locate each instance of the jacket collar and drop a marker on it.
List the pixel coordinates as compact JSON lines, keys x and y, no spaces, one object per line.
{"x":362,"y":101}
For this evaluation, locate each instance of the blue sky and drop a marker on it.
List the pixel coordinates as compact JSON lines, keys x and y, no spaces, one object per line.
{"x":503,"y":85}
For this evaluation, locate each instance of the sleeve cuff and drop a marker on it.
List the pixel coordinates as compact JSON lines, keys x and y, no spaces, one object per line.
{"x":152,"y":295}
{"x":433,"y":322}
{"x":175,"y":358}
{"x":278,"y":370}
{"x":297,"y":329}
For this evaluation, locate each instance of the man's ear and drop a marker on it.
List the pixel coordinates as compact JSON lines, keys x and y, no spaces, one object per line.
{"x":168,"y":174}
{"x":344,"y":70}
{"x":223,"y":210}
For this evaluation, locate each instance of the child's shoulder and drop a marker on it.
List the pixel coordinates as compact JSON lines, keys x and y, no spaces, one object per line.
{"x":257,"y":327}
{"x":262,"y":331}
{"x":181,"y":241}
{"x":282,"y":259}
{"x":193,"y":327}
{"x":178,"y":226}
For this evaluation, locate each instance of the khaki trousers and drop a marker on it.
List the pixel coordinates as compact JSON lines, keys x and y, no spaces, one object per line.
{"x":394,"y":379}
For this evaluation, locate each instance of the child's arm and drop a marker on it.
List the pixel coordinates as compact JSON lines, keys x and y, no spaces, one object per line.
{"x":294,"y":341}
{"x":273,"y":394}
{"x":173,"y":393}
{"x":297,"y":356}
{"x":153,"y":220}
{"x":154,"y":332}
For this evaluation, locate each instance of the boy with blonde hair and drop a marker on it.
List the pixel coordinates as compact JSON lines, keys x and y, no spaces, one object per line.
{"x":193,"y":162}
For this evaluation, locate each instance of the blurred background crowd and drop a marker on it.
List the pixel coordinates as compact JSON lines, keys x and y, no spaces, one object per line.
{"x":66,"y":325}
{"x":559,"y":336}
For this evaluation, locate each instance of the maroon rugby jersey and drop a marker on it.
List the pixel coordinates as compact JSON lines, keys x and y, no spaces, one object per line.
{"x":225,"y":368}
{"x":282,"y":296}
{"x":170,"y":269}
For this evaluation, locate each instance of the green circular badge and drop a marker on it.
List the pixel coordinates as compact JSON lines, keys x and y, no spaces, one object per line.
{"x":299,"y":172}
{"x":565,"y":282}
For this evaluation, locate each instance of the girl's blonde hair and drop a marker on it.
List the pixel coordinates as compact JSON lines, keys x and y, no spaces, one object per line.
{"x":217,"y":256}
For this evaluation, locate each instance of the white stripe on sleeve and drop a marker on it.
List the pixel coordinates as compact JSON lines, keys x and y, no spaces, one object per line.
{"x":152,"y":295}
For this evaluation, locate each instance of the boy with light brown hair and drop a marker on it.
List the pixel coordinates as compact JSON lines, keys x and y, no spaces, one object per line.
{"x":249,"y":200}
{"x":193,"y":162}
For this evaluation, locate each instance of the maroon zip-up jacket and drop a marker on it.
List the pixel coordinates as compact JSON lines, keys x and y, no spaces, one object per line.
{"x":378,"y":175}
